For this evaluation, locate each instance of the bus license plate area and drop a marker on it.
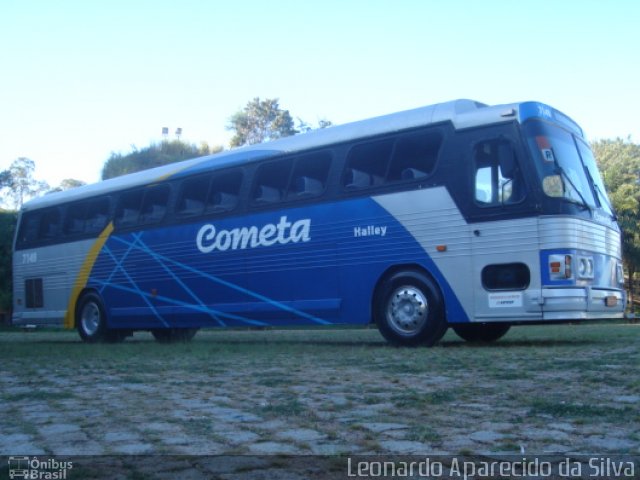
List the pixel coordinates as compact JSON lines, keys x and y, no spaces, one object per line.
{"x":611,"y":301}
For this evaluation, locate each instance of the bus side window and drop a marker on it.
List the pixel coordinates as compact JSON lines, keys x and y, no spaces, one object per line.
{"x":29,"y":226}
{"x":50,"y":224}
{"x":498,"y":180}
{"x":154,"y":205}
{"x":367,"y":164}
{"x":75,"y":219}
{"x":97,"y":215}
{"x":310,"y":176}
{"x":414,"y":157}
{"x":128,"y":209}
{"x":193,"y":196}
{"x":271,"y":181}
{"x":224,"y":194}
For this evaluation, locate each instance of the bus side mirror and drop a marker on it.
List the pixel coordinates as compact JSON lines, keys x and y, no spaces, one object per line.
{"x":507,"y":160}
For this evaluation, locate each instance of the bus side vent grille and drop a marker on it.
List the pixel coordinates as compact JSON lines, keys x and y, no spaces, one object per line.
{"x":33,"y":288}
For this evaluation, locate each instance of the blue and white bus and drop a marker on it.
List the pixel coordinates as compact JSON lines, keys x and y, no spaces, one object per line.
{"x":457,"y":214}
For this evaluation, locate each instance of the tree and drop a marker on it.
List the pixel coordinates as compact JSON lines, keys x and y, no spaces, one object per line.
{"x":152,"y":156}
{"x":260,"y":121}
{"x":304,"y":127}
{"x":67,"y":184}
{"x":619,"y":162}
{"x":7,"y":228}
{"x":20,"y":182}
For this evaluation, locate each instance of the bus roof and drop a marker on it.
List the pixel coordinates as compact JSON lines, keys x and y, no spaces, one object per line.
{"x":461,"y":113}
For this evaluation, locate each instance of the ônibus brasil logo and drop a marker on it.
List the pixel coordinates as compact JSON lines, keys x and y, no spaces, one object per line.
{"x":283,"y":232}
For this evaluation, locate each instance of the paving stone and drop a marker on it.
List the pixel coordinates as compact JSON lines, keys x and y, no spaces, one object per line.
{"x":406,"y":447}
{"x":486,"y":436}
{"x":23,"y":448}
{"x":545,"y":434}
{"x":627,"y":398}
{"x":611,"y":443}
{"x":301,"y":435}
{"x":272,"y":425}
{"x":238,"y":437}
{"x":58,"y":429}
{"x":133,"y":448}
{"x":556,"y":448}
{"x":121,"y":436}
{"x":566,"y":427}
{"x":331,"y":449}
{"x":232,"y":414}
{"x":383,"y":427}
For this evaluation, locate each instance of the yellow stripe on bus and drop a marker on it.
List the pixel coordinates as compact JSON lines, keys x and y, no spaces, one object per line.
{"x":83,"y":275}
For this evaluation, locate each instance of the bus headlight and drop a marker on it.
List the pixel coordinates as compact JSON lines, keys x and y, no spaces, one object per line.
{"x":585,"y":267}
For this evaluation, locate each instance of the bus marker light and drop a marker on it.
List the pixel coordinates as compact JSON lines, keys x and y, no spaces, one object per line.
{"x":441,"y":248}
{"x":567,"y":266}
{"x":560,"y":267}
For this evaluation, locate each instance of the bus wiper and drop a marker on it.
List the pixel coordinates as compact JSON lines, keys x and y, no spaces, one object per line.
{"x":602,"y":198}
{"x":561,"y":171}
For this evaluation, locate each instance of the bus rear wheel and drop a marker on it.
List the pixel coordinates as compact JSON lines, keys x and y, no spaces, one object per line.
{"x":91,"y":320}
{"x":173,"y":335}
{"x":409,"y":310}
{"x":481,"y":332}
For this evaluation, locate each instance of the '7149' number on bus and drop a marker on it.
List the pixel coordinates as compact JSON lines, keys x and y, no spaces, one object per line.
{"x":29,"y":258}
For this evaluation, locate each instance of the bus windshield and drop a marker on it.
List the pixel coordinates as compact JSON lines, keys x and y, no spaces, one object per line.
{"x":566,"y":166}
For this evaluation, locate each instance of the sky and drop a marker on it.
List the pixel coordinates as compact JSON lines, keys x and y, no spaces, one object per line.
{"x":82,"y":79}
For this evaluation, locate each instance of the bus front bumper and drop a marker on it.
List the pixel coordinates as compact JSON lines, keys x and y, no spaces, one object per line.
{"x":582,"y":303}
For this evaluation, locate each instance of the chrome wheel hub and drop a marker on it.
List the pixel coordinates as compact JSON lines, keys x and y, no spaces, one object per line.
{"x":90,"y":318}
{"x":408,"y":310}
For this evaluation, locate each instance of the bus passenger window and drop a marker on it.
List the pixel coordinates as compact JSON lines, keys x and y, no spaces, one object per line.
{"x":310,"y":175}
{"x":193,"y":196}
{"x":128,"y":209}
{"x":29,"y":228}
{"x":271,"y":182}
{"x":414,"y":156}
{"x":97,"y":215}
{"x":367,"y":164}
{"x":154,"y":206}
{"x":224,"y":194}
{"x":50,"y":224}
{"x":498,"y":180}
{"x":75,"y":218}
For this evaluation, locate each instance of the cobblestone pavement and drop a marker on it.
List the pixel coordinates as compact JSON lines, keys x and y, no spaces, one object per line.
{"x":252,"y":398}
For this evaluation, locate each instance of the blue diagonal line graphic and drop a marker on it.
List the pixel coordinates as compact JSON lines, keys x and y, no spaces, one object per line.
{"x":118,"y":263}
{"x":136,"y":289}
{"x":233,"y":286}
{"x":173,"y":301}
{"x":178,"y":280}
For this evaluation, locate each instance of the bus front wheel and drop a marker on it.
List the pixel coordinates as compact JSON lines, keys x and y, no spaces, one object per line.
{"x":481,"y":332}
{"x":409,"y":310}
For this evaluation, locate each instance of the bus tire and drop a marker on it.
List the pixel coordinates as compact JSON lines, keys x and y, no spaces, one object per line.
{"x":481,"y":332}
{"x":173,"y":335}
{"x":91,"y":319}
{"x":408,"y":309}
